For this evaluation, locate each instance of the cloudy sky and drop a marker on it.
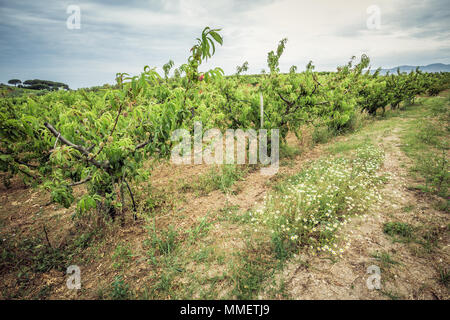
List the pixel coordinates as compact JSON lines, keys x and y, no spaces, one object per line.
{"x":124,"y":36}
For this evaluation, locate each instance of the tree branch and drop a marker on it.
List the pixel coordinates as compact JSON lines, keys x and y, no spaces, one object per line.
{"x":27,"y":174}
{"x":285,"y":100}
{"x":80,"y":182}
{"x":84,"y":151}
{"x":132,"y":198}
{"x":18,"y":160}
{"x":46,"y":237}
{"x":141,"y":145}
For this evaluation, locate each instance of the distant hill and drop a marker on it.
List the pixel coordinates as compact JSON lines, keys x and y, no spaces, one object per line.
{"x":435,"y":67}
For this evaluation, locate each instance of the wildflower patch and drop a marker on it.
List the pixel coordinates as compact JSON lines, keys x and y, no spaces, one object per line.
{"x":312,"y":206}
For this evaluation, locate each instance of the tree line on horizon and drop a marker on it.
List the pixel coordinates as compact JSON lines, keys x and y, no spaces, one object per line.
{"x":38,"y":84}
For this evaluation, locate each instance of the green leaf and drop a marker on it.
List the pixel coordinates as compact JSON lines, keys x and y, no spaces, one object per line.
{"x":216,"y":36}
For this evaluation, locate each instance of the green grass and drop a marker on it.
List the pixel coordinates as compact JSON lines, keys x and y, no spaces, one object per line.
{"x":346,"y":146}
{"x":254,"y":268}
{"x":26,"y":257}
{"x":218,"y":178}
{"x":322,"y":134}
{"x":37,"y":255}
{"x":429,"y":238}
{"x":203,"y":254}
{"x":426,"y":236}
{"x":425,"y":141}
{"x":200,"y":230}
{"x":288,"y":155}
{"x":289,"y":152}
{"x":408,"y":208}
{"x":444,"y":277}
{"x":229,"y":212}
{"x":163,"y":242}
{"x":385,"y":259}
{"x":399,"y":230}
{"x":391,"y":294}
{"x":119,"y":290}
{"x":122,"y":256}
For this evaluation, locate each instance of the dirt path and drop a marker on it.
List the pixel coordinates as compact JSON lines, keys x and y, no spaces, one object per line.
{"x":413,"y":274}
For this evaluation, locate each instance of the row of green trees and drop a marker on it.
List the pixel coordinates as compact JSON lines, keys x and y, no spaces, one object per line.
{"x":102,"y":138}
{"x":38,"y":84}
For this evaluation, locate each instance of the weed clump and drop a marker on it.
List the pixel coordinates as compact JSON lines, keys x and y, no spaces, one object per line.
{"x":398,"y":229}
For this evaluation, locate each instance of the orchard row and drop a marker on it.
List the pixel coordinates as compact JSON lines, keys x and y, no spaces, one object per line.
{"x":101,"y":138}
